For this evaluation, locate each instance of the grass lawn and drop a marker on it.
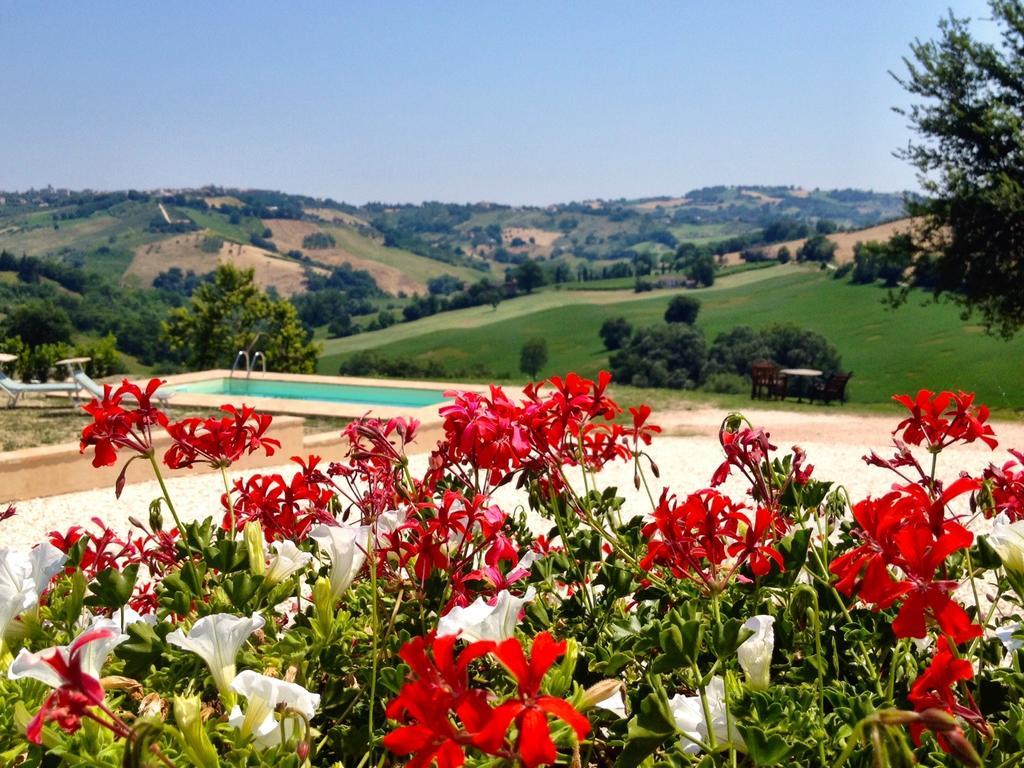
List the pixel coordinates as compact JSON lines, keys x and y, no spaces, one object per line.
{"x":218,"y":224}
{"x":888,"y":350}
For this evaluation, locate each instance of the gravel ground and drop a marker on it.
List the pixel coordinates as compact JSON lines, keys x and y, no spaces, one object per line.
{"x":834,"y":445}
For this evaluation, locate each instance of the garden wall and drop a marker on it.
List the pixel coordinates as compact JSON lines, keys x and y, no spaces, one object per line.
{"x":55,"y":469}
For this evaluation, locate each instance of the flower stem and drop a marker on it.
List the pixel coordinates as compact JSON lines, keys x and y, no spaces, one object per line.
{"x":231,"y":502}
{"x":372,"y":562}
{"x":167,"y":496}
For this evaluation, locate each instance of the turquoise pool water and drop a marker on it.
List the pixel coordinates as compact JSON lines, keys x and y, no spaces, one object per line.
{"x":401,"y":397}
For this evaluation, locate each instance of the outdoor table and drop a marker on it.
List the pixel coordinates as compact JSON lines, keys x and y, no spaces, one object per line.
{"x":72,"y":362}
{"x":803,"y":374}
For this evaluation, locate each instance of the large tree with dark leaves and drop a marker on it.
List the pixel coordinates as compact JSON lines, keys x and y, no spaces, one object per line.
{"x":969,"y":152}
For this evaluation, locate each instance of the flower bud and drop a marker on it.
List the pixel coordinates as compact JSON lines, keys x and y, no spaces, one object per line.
{"x":253,"y":536}
{"x":323,"y":603}
{"x":119,"y":683}
{"x":302,"y":750}
{"x":561,"y":677}
{"x":195,"y":740}
{"x":156,"y":518}
{"x":898,"y":717}
{"x":961,"y":748}
{"x":938,"y":720}
{"x":755,"y":653}
{"x":606,"y":694}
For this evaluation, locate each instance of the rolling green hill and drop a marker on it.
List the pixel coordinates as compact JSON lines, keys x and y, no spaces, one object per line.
{"x":888,"y":350}
{"x":404,"y":246}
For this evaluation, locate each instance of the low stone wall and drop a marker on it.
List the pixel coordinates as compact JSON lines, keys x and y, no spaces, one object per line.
{"x":54,"y":469}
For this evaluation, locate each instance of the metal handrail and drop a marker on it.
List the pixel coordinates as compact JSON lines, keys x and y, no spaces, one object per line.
{"x":263,"y":362}
{"x":243,"y":354}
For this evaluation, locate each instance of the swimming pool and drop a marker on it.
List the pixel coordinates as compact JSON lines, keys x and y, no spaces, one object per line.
{"x":357,"y":394}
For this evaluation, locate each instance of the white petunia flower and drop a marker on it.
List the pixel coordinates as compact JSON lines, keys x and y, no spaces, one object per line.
{"x":265,"y":694}
{"x":23,"y":578}
{"x":1007,"y":539}
{"x":345,"y":546}
{"x":287,"y":560}
{"x":1005,"y":635}
{"x":482,"y":621}
{"x":755,"y":653}
{"x":689,"y":716}
{"x":217,"y":639}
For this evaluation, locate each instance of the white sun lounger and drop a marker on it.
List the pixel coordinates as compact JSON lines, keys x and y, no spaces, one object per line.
{"x":83,"y":381}
{"x":15,"y":389}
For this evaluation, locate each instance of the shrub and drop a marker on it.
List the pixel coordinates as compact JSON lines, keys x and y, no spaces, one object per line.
{"x":105,"y":359}
{"x":615,"y":331}
{"x":783,"y":255}
{"x":672,"y":356}
{"x":734,"y":350}
{"x":211,"y":244}
{"x":726,"y":384}
{"x":318,"y":241}
{"x":682,"y":309}
{"x":787,"y":345}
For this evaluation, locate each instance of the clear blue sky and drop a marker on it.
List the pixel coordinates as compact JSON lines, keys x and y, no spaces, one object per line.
{"x":518,"y":102}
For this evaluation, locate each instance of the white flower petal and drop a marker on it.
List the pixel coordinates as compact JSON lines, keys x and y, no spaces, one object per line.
{"x":217,"y":639}
{"x":264,"y":695}
{"x":346,"y":546}
{"x":1007,"y":539}
{"x":288,"y":559}
{"x":24,"y":576}
{"x":482,"y":621}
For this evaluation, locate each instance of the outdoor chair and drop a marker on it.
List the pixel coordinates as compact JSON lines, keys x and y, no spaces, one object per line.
{"x":832,"y":388}
{"x":765,"y":380}
{"x":15,"y":389}
{"x":85,"y":382}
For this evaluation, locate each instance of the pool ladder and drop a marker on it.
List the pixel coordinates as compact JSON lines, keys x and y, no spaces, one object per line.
{"x":250,"y":363}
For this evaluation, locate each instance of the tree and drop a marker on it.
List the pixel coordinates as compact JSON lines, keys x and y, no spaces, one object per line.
{"x":39,"y":322}
{"x":528,"y":276}
{"x":615,"y":331}
{"x":444,"y":284}
{"x":816,"y":248}
{"x":703,"y":269}
{"x":231,"y":313}
{"x":970,"y":137}
{"x":783,"y":255}
{"x":533,"y":356}
{"x":682,"y":309}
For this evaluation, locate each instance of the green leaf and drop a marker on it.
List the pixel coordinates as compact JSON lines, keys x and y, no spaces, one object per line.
{"x":763,"y":749}
{"x":241,"y":587}
{"x":649,"y":729}
{"x":112,"y":588}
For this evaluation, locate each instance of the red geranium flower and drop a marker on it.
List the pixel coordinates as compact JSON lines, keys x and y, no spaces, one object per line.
{"x":115,"y":426}
{"x":440,"y":713}
{"x":1006,"y":486}
{"x":934,"y":689}
{"x":905,"y":530}
{"x":219,"y":442}
{"x":531,"y":708}
{"x":944,"y":418}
